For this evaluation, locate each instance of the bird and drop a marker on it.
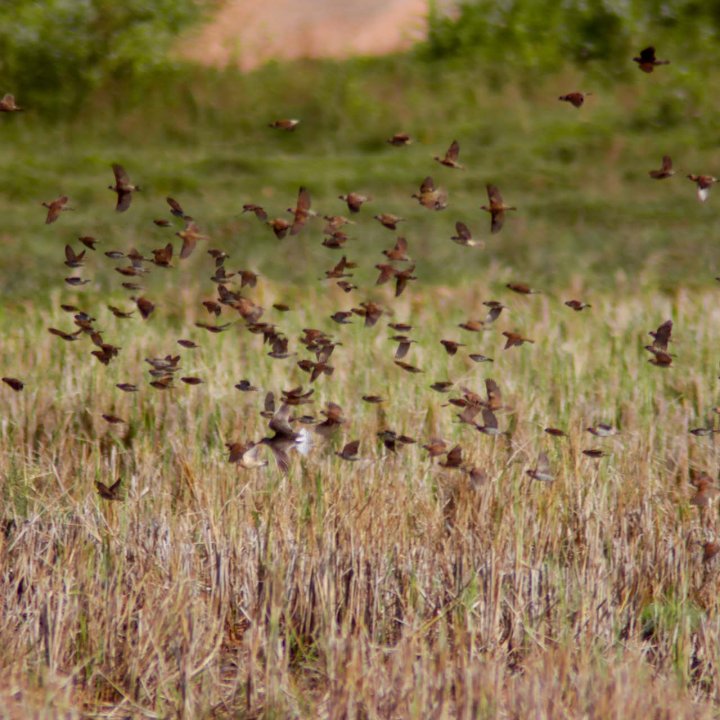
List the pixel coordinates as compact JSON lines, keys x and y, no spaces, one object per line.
{"x":301,"y":212}
{"x":576,"y":99}
{"x":350,"y":451}
{"x":109,"y":492}
{"x":388,"y":220}
{"x":541,"y":471}
{"x":285,"y":124}
{"x":55,"y":207}
{"x":647,"y":61}
{"x":176,"y":209}
{"x":190,"y":236}
{"x":73,"y":259}
{"x":521,"y":288}
{"x":14,"y":383}
{"x":451,"y":156}
{"x":429,"y":196}
{"x":603,"y":430}
{"x":514,"y":338}
{"x":285,"y":438}
{"x":399,"y":139}
{"x":123,"y":188}
{"x":7,"y":104}
{"x":577,"y":305}
{"x":398,"y":252}
{"x":704,"y":183}
{"x":354,"y":201}
{"x":661,"y":336}
{"x":497,"y":208}
{"x":464,"y":236}
{"x":665,"y":171}
{"x":257,"y":210}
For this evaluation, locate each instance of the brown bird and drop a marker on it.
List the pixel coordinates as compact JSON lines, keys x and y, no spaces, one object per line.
{"x":541,"y":471}
{"x":123,"y":187}
{"x":176,"y":209}
{"x":76,"y":281}
{"x":442,"y":386}
{"x":398,"y":252}
{"x":14,"y":383}
{"x":399,"y":139}
{"x":301,"y":211}
{"x":464,"y":236}
{"x":490,"y":423}
{"x":127,"y":387}
{"x":661,"y":336}
{"x":496,"y":308}
{"x":118,"y":313}
{"x":603,"y":430}
{"x":109,"y":492}
{"x":161,"y":222}
{"x":388,"y":220}
{"x":515,"y":339}
{"x":403,"y":347}
{"x":555,"y":432}
{"x":370,"y":311}
{"x":246,"y":455}
{"x":163,"y":256}
{"x":577,"y":305}
{"x":647,"y":61}
{"x":665,"y":171}
{"x":451,"y":156}
{"x":145,"y":307}
{"x":190,"y":236}
{"x":285,"y":124}
{"x":497,"y":209}
{"x":257,"y":210}
{"x":354,"y":201}
{"x":453,"y":458}
{"x":285,"y":438}
{"x":521,"y":288}
{"x":659,"y":357}
{"x":402,"y":278}
{"x":478,"y":357}
{"x":472,"y":325}
{"x":191,"y":380}
{"x":245,"y":386}
{"x":704,"y":183}
{"x":338,"y":271}
{"x":595,"y":453}
{"x":72,"y":259}
{"x":494,"y":401}
{"x":88,"y":242}
{"x":7,"y":104}
{"x":436,"y":447}
{"x":350,"y":451}
{"x":213,"y":328}
{"x":373,"y":399}
{"x":451,"y":347}
{"x":280,"y":227}
{"x":576,"y":99}
{"x":69,"y":337}
{"x":55,"y":207}
{"x":407,"y":367}
{"x":112,"y":419}
{"x":429,"y":196}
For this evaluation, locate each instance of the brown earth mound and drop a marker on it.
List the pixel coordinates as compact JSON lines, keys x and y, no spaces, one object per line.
{"x":248,"y":33}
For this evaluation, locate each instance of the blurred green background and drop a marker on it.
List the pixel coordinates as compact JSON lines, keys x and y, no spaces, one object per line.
{"x":102,"y":82}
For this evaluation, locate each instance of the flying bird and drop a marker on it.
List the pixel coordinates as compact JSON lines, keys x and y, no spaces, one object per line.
{"x":123,"y":188}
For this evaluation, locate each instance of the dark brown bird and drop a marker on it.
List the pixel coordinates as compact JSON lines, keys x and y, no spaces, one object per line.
{"x":490,"y":423}
{"x":246,"y":455}
{"x":112,"y":419}
{"x":118,"y":313}
{"x":704,"y":183}
{"x":665,"y":171}
{"x":451,"y":156}
{"x":109,"y":492}
{"x":354,"y":201}
{"x":285,"y":124}
{"x":494,"y":312}
{"x":14,"y":383}
{"x":407,"y":367}
{"x":350,"y":451}
{"x":280,"y":227}
{"x":577,"y":305}
{"x":88,"y":242}
{"x":55,"y":207}
{"x":285,"y":438}
{"x":301,"y":212}
{"x":497,"y":209}
{"x":176,"y":208}
{"x":451,"y":347}
{"x":7,"y":104}
{"x":76,"y":281}
{"x":555,"y":432}
{"x":442,"y":386}
{"x":123,"y":188}
{"x":73,"y":259}
{"x":453,"y":459}
{"x":436,"y":447}
{"x":127,"y":387}
{"x":69,"y":337}
{"x":373,"y":399}
{"x":576,"y":99}
{"x":647,"y":61}
{"x":429,"y":196}
{"x":163,"y":256}
{"x":595,"y":453}
{"x":257,"y":210}
{"x":659,"y":357}
{"x":521,"y":288}
{"x":145,"y":307}
{"x":661,"y":336}
{"x":464,"y":236}
{"x":370,"y":311}
{"x":399,"y":139}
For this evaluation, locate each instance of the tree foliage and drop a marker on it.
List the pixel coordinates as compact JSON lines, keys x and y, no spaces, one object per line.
{"x":53,"y":52}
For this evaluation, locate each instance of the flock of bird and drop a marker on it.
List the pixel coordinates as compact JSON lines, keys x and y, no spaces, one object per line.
{"x":286,"y":431}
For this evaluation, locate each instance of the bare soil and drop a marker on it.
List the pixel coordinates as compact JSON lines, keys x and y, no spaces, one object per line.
{"x":248,"y":33}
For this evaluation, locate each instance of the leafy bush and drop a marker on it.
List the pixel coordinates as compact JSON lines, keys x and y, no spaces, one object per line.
{"x":53,"y":52}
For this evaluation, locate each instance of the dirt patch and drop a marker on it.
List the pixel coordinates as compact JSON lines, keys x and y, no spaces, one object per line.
{"x":248,"y":33}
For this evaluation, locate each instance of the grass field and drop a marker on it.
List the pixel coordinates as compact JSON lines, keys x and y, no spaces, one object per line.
{"x":390,"y":587}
